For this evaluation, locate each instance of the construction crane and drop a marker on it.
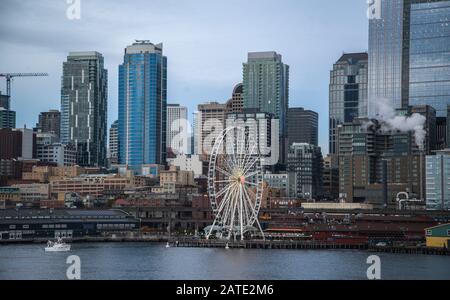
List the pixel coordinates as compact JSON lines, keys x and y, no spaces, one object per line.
{"x":10,"y":76}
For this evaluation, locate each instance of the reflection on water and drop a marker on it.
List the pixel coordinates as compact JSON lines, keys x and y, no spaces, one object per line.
{"x":154,"y":261}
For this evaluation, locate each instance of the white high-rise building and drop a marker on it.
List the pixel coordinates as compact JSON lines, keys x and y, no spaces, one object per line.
{"x":177,"y":129}
{"x":195,"y":132}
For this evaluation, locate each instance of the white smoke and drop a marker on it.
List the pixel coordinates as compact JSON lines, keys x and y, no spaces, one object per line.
{"x":390,"y":121}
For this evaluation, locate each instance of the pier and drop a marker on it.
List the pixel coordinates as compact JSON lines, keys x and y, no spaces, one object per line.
{"x":302,"y":245}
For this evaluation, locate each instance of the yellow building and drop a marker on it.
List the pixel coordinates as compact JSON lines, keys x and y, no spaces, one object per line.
{"x":438,"y":237}
{"x":9,"y":194}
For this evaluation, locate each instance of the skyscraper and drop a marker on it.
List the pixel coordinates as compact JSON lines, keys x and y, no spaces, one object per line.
{"x":303,"y":126}
{"x":177,"y":122}
{"x":408,"y":54}
{"x":7,"y":116}
{"x":114,"y":143}
{"x":348,"y":93}
{"x":196,"y":132}
{"x":236,"y":103}
{"x":305,"y":167}
{"x":438,"y":182}
{"x":210,"y":123}
{"x":429,"y":58}
{"x":84,"y":107}
{"x":50,"y":122}
{"x":266,"y":88}
{"x":143,"y":105}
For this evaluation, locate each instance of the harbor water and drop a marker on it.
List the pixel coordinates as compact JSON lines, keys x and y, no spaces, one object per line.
{"x":122,"y":261}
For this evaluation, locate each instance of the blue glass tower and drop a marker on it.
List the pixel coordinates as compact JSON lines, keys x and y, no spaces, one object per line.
{"x":142,"y":105}
{"x":409,"y":54}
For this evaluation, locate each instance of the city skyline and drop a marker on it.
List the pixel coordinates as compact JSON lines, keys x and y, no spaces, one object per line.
{"x":195,"y":47}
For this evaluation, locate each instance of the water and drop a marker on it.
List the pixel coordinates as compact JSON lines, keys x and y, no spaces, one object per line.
{"x":154,"y":261}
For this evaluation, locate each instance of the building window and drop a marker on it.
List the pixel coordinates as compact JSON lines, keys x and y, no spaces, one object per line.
{"x":448,"y":232}
{"x":429,"y":233}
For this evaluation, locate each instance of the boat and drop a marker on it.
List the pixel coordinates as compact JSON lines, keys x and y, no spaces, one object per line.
{"x":227,"y":247}
{"x":58,"y":246}
{"x":168,"y":245}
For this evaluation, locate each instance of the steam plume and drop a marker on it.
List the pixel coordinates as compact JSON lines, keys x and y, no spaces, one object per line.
{"x":390,"y":121}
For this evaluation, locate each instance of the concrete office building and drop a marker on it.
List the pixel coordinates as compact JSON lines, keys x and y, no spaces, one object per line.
{"x":236,"y":104}
{"x":50,"y":122}
{"x":210,"y":123}
{"x":303,"y":126}
{"x":305,"y":168}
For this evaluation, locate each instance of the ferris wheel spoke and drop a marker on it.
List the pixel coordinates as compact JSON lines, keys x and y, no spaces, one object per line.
{"x":224,"y":190}
{"x":233,"y":215}
{"x":241,"y":211}
{"x":242,"y":148}
{"x":250,"y":165}
{"x":229,"y":201}
{"x":224,"y":172}
{"x":249,"y":201}
{"x":254,"y":212}
{"x":252,"y":184}
{"x":223,"y":181}
{"x":229,"y":166}
{"x":246,"y":209}
{"x":224,"y":204}
{"x":249,"y":155}
{"x":251,"y":174}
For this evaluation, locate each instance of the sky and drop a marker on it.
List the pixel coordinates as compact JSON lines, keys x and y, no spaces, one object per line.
{"x":205,"y":41}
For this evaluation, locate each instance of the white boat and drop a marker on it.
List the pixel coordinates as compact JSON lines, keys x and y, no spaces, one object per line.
{"x":227,"y":247}
{"x":58,"y":246}
{"x":168,"y":245}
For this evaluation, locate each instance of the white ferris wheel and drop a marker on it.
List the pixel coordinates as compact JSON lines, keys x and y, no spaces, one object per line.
{"x":235,"y":184}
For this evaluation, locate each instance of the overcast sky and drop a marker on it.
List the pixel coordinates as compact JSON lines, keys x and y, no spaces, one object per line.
{"x":206,"y":42}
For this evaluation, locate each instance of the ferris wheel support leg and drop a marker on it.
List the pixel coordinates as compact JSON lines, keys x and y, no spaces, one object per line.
{"x":212,"y":228}
{"x":260,"y":229}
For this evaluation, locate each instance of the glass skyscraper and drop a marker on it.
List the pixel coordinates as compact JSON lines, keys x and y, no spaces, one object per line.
{"x":7,"y":116}
{"x":429,"y":55}
{"x":385,"y":55}
{"x":84,"y":107}
{"x":348,"y":93}
{"x":266,"y":89}
{"x":303,"y":126}
{"x":409,"y":54}
{"x":437,"y":181}
{"x":142,"y":105}
{"x":266,"y":84}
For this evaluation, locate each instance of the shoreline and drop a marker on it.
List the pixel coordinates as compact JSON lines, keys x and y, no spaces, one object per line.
{"x":254,"y":244}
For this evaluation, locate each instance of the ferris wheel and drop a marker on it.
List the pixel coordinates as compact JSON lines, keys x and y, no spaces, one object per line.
{"x":235,"y":184}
